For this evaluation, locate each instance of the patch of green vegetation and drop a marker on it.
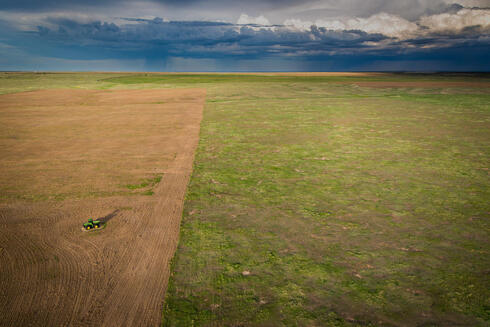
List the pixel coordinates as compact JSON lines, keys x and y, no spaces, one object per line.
{"x":146,"y":183}
{"x":11,"y":82}
{"x":178,"y":79}
{"x":145,"y":187}
{"x":314,"y":203}
{"x":61,"y":196}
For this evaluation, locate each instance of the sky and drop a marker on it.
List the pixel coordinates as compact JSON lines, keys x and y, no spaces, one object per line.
{"x":245,"y":36}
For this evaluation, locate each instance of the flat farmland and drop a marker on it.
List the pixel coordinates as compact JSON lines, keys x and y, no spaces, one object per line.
{"x":68,"y":155}
{"x":337,"y":201}
{"x":316,"y":199}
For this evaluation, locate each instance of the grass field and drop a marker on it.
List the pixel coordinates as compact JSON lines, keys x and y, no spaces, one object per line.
{"x":328,"y":200}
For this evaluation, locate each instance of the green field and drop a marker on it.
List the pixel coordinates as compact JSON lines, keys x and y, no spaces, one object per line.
{"x":318,"y":202}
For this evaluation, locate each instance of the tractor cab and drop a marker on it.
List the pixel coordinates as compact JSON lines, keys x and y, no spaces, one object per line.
{"x":92,"y":224}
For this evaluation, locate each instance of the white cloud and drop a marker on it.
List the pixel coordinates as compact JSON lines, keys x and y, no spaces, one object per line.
{"x":398,"y":27}
{"x":298,"y":23}
{"x":382,"y":23}
{"x":457,"y":21}
{"x":246,"y":19}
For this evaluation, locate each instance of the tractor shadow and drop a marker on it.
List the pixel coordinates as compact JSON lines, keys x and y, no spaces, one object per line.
{"x":108,"y":217}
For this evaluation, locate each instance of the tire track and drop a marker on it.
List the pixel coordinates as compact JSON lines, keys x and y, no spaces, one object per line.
{"x":52,"y":274}
{"x":138,"y":298}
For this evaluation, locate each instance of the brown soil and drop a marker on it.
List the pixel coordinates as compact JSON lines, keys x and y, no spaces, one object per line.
{"x":51,"y":273}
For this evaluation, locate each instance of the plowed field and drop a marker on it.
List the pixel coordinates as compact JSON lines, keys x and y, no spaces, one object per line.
{"x":68,"y":155}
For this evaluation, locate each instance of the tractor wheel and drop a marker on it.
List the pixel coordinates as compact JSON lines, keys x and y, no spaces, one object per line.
{"x":87,"y":228}
{"x":96,"y":226}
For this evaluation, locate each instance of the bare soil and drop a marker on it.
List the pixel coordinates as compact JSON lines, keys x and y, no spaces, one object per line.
{"x":51,"y":273}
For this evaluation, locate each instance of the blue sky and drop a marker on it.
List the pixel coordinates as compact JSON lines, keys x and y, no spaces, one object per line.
{"x":254,"y":35}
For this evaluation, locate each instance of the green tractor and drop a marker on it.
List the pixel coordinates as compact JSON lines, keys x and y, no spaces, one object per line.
{"x":92,"y":224}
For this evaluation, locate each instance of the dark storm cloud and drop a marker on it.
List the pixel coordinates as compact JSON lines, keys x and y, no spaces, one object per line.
{"x":35,"y":5}
{"x":365,"y":37}
{"x":200,"y":38}
{"x":143,"y":38}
